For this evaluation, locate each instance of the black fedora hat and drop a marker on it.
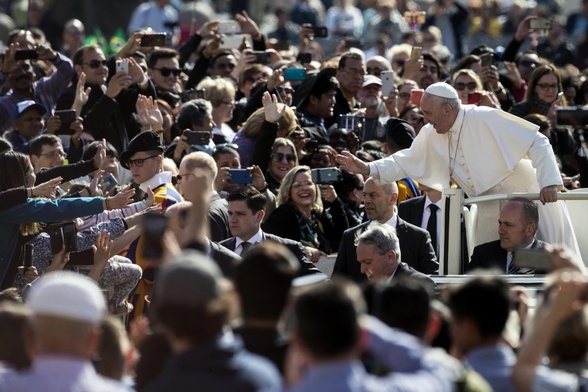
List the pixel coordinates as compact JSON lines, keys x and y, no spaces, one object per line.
{"x":145,"y":141}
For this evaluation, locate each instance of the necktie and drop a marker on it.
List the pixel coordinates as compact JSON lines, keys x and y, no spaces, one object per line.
{"x":432,"y":225}
{"x":245,"y":246}
{"x":511,"y":269}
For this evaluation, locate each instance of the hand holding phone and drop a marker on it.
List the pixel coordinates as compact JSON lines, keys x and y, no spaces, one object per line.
{"x":416,"y":95}
{"x":122,"y":66}
{"x":67,"y":117}
{"x":240,"y":176}
{"x":294,"y":74}
{"x":473,"y":98}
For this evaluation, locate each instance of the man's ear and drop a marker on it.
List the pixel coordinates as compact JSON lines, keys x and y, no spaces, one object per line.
{"x":34,"y":160}
{"x":150,"y":72}
{"x":78,"y":69}
{"x":260,"y":214}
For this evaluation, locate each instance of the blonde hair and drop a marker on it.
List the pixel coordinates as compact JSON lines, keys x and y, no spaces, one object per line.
{"x":281,"y":142}
{"x":199,"y":159}
{"x":471,"y":74}
{"x":286,"y":123}
{"x":216,"y":89}
{"x":286,"y":188}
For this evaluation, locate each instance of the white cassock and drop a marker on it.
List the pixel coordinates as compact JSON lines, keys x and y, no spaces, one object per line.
{"x":486,"y":151}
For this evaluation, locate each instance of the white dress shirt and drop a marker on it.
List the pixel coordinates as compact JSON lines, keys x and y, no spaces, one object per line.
{"x":258,"y":237}
{"x":427,"y":214}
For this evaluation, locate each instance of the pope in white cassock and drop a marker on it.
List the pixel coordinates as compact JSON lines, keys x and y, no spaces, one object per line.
{"x":485,"y":151}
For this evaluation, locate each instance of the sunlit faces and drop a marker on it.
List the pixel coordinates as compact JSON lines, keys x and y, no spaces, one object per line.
{"x":223,"y":111}
{"x":303,"y":190}
{"x":464,"y":85}
{"x":30,"y":123}
{"x":145,"y":164}
{"x":369,"y":96}
{"x":436,"y":114}
{"x":351,"y":77}
{"x":97,"y":75}
{"x":243,"y":222}
{"x":323,"y":106}
{"x":373,"y":264}
{"x":428,"y":74}
{"x":223,"y":66}
{"x":282,"y":161}
{"x":527,"y":64}
{"x":414,"y":118}
{"x":51,"y":156}
{"x":514,"y":232}
{"x":547,"y":88}
{"x":404,"y":96}
{"x":379,"y":206}
{"x":163,"y":66}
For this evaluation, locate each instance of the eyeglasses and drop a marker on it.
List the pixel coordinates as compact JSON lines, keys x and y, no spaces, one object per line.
{"x":287,"y":90}
{"x":431,"y":70}
{"x":279,"y":157}
{"x":307,"y":184}
{"x":180,"y":177}
{"x":404,"y":95}
{"x":463,"y":86}
{"x":374,"y":71}
{"x":253,"y":80}
{"x":165,"y":72}
{"x":546,"y":86}
{"x":96,"y":63}
{"x":354,"y":72}
{"x":54,"y":154}
{"x":230,"y":103}
{"x":529,"y":64}
{"x":139,"y":162}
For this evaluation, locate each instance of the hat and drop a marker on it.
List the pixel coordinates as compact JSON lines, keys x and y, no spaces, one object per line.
{"x":442,"y":89}
{"x":25,"y":105}
{"x":308,"y":85}
{"x":400,"y":131}
{"x":191,"y":279}
{"x":68,"y":295}
{"x":483,"y":49}
{"x":371,"y":79}
{"x":145,"y":141}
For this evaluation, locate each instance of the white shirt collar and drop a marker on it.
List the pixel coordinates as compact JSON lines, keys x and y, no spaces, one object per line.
{"x":428,"y":202}
{"x":258,"y":237}
{"x":392,"y":222}
{"x":157,"y":180}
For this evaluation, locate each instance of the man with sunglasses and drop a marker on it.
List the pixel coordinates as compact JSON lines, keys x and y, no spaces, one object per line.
{"x":108,"y":112}
{"x":144,"y":158}
{"x":164,"y":70}
{"x":25,"y":86}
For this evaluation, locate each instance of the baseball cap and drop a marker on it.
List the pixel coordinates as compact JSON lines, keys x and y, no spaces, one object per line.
{"x":22,"y":106}
{"x":68,"y":295}
{"x":191,"y":279}
{"x":371,"y":79}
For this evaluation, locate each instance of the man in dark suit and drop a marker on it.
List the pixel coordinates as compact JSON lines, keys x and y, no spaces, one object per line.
{"x":518,"y":223}
{"x":379,"y":255}
{"x":226,"y":260}
{"x":419,"y":212}
{"x":415,"y":243}
{"x":246,"y":212}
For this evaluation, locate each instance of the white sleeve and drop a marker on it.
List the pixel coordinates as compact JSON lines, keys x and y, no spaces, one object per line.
{"x":543,"y":159}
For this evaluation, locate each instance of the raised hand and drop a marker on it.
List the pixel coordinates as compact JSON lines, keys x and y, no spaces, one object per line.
{"x":46,"y":189}
{"x":274,"y":110}
{"x":121,"y":199}
{"x":349,"y":162}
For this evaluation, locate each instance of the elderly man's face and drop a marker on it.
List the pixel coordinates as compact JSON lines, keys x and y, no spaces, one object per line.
{"x":437,"y":114}
{"x":370,"y":95}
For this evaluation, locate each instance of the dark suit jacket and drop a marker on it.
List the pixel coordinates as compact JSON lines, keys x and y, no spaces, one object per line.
{"x":411,"y":210}
{"x":404,"y":271}
{"x":415,"y":250}
{"x":219,"y":219}
{"x":491,"y":255}
{"x":306,"y":267}
{"x":226,"y":260}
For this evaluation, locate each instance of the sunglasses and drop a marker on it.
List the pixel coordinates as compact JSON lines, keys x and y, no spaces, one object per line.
{"x":287,"y":90}
{"x":165,"y":72}
{"x":463,"y":86}
{"x":529,"y":64}
{"x":179,"y":177}
{"x":279,"y":157}
{"x":96,"y":63}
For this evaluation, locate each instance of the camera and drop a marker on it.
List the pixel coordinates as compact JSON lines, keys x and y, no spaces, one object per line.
{"x":576,"y":117}
{"x":325,"y":176}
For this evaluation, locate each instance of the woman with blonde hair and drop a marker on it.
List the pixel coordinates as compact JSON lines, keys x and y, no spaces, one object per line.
{"x":301,"y":215}
{"x":467,"y":82}
{"x":220,"y":93}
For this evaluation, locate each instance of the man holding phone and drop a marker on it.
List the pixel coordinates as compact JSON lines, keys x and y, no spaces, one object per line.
{"x":164,"y":70}
{"x":517,"y":226}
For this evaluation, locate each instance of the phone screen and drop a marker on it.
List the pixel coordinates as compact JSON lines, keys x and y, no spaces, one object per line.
{"x":67,"y":117}
{"x":154,"y":226}
{"x":240,"y":176}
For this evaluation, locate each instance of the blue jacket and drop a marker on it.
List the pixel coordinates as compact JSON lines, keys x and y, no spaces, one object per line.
{"x":39,"y":210}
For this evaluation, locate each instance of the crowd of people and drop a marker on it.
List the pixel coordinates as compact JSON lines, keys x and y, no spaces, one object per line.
{"x":188,"y":185}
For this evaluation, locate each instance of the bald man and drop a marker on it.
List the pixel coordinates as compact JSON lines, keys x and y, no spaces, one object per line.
{"x":484,"y":151}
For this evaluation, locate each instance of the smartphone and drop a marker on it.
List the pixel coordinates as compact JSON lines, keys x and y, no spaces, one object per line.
{"x":67,"y":117}
{"x":154,"y":226}
{"x":108,"y":183}
{"x":200,"y":138}
{"x":320,"y":32}
{"x":502,"y":68}
{"x":229,"y":27}
{"x":532,"y":258}
{"x":261,"y":57}
{"x":328,"y":175}
{"x":573,"y":116}
{"x":85,"y":257}
{"x":294,"y":74}
{"x":560,"y":97}
{"x":540,"y":24}
{"x":122,"y":66}
{"x":26,"y":54}
{"x":311,"y":145}
{"x":150,"y":40}
{"x":411,"y":17}
{"x":188,"y":95}
{"x":240,"y":176}
{"x":27,"y":259}
{"x":473,"y":98}
{"x":351,"y":122}
{"x":354,"y":43}
{"x":416,"y":95}
{"x":487,"y":59}
{"x":304,"y":58}
{"x":387,"y":82}
{"x":234,"y":41}
{"x":416,"y":52}
{"x":70,"y":236}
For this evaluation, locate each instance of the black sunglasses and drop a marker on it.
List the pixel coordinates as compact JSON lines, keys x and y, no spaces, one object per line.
{"x":96,"y":63}
{"x":280,"y":157}
{"x":462,"y":86}
{"x":165,"y":72}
